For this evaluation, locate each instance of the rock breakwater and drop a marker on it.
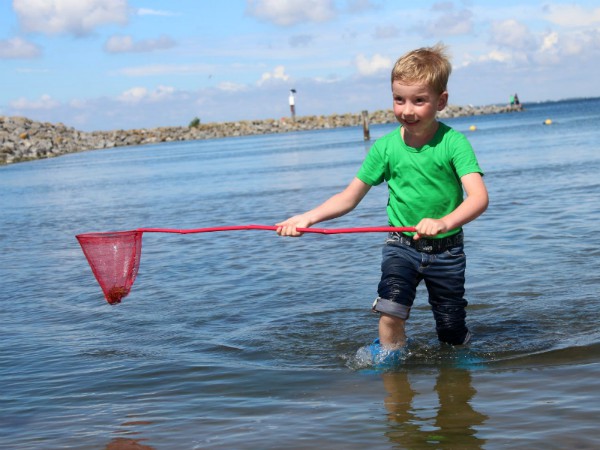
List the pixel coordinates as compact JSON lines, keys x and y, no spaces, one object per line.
{"x":22,"y":139}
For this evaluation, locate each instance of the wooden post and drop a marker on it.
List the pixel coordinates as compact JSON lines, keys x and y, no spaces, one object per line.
{"x":365,"y":119}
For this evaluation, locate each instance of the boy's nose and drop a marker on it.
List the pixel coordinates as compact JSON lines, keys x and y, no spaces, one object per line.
{"x":408,"y":110}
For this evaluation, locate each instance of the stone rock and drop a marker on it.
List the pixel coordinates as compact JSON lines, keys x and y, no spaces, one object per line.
{"x":22,"y":139}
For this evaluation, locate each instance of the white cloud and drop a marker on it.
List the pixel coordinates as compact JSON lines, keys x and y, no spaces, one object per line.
{"x":511,"y":34}
{"x":165,"y":69}
{"x":78,"y":17}
{"x":228,"y":86}
{"x":328,"y":80}
{"x":449,"y":22}
{"x":359,"y":6}
{"x":574,"y":44}
{"x":161,"y":93}
{"x":549,"y":42}
{"x":78,"y":103}
{"x":17,"y":48}
{"x":277,"y":74}
{"x":141,"y":94}
{"x":291,"y":12}
{"x":386,"y":32}
{"x":544,"y":49}
{"x":572,"y":15}
{"x":377,"y":63}
{"x":133,"y":95}
{"x":155,"y":12}
{"x":44,"y":102}
{"x":301,"y":40}
{"x":569,"y":46}
{"x":126,"y":44}
{"x":496,"y":56}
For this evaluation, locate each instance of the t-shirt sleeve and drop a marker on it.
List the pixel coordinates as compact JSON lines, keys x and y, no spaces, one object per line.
{"x":372,"y":171}
{"x":464,"y":158}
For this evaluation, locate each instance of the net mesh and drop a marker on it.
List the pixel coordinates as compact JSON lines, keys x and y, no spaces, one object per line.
{"x":115,"y":259}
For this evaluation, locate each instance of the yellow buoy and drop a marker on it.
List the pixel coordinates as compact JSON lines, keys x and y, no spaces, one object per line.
{"x":472,"y":128}
{"x":547,"y":122}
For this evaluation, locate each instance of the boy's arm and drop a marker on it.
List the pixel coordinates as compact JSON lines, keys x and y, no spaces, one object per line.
{"x":472,"y":207}
{"x":336,"y":206}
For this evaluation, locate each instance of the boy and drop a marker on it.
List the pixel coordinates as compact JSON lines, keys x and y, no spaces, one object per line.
{"x":426,"y":165}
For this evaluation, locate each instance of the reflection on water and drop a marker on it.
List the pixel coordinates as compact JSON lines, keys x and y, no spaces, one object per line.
{"x":127,"y":444}
{"x":412,"y":424}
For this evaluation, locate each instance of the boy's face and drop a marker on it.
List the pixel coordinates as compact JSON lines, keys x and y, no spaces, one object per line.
{"x":416,"y":106}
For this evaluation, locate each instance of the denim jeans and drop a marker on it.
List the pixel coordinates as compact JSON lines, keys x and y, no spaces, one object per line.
{"x":403,"y":268}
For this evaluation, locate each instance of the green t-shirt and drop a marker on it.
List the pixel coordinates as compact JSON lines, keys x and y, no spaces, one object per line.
{"x":422,"y":182}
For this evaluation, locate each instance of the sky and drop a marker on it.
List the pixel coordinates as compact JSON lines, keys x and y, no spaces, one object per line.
{"x":123,"y":64}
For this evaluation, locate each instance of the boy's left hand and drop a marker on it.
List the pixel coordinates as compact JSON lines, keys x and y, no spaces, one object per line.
{"x":430,"y":228}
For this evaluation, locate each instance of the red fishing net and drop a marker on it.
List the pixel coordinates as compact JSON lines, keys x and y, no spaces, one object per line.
{"x":115,"y":259}
{"x":115,"y":256}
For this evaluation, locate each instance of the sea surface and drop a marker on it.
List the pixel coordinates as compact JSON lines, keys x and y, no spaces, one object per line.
{"x":248,"y":340}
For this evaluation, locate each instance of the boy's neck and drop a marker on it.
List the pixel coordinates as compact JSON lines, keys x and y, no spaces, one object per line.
{"x":419,"y":140}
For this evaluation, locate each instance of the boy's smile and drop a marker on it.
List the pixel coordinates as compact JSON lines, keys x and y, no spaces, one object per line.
{"x":415,"y":107}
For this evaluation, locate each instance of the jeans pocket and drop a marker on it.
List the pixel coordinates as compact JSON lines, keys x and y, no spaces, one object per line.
{"x":457,"y":251}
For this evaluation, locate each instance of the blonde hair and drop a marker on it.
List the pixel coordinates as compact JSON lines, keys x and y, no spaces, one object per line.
{"x":427,"y":65}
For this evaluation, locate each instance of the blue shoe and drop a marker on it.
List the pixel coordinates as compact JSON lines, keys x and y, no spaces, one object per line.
{"x":467,"y":360}
{"x":383,"y":358}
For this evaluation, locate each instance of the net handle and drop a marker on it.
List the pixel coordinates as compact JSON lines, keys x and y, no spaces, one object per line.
{"x":274,"y":228}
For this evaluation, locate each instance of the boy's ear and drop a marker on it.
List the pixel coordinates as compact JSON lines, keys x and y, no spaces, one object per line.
{"x":442,"y":101}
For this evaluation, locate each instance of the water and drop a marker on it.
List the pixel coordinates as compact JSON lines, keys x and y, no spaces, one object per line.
{"x":248,"y":340}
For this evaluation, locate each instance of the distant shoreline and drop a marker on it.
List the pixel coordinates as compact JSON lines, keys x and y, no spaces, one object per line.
{"x":22,"y":139}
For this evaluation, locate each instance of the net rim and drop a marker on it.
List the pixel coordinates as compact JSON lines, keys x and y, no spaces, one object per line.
{"x":107,"y":234}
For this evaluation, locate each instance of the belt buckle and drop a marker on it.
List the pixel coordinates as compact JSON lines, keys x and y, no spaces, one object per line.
{"x":425,"y":245}
{"x":426,"y":248}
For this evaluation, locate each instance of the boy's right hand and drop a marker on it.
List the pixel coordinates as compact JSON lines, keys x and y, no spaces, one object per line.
{"x":289,"y":227}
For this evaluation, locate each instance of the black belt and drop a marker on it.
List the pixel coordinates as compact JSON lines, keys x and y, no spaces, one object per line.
{"x":429,"y":245}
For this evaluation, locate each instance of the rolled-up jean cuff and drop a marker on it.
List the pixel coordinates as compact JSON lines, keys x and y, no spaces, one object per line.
{"x":386,"y":306}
